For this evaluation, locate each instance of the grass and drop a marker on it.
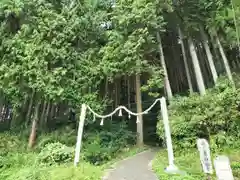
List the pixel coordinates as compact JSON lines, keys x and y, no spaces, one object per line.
{"x":189,"y":162}
{"x":84,"y":171}
{"x":19,"y":163}
{"x":22,"y":166}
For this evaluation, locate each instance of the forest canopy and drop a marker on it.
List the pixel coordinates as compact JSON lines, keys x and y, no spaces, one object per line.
{"x":56,"y":55}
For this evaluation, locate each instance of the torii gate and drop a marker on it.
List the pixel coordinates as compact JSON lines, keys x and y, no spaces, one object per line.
{"x":171,"y":168}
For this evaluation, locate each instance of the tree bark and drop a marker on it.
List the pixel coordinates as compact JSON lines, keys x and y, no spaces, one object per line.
{"x":139,"y":109}
{"x":51,"y":115}
{"x":196,"y":66}
{"x":238,"y":63}
{"x":116,"y":94}
{"x":163,"y":63}
{"x":234,"y":65}
{"x":42,"y":114}
{"x":185,"y":61}
{"x":225,"y":61}
{"x":236,"y":26}
{"x":204,"y":65}
{"x":129,"y":92}
{"x":209,"y":55}
{"x":28,"y":116}
{"x":32,"y":137}
{"x":219,"y":65}
{"x":2,"y":112}
{"x":106,"y":87}
{"x":47,"y":112}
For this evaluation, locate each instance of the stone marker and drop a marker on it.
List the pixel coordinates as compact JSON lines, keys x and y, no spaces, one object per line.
{"x":205,"y":156}
{"x":223,"y":168}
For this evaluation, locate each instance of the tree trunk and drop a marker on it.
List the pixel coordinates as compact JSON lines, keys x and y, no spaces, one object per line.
{"x":238,"y":63}
{"x":2,"y":112}
{"x":51,"y":115}
{"x":185,"y":61}
{"x":219,"y":65}
{"x":204,"y":65}
{"x":225,"y":61}
{"x":56,"y":111}
{"x":47,"y":112}
{"x":32,"y":137}
{"x":209,"y":55}
{"x":196,"y":66}
{"x":106,"y":88}
{"x":116,"y":94}
{"x":236,"y":26}
{"x":28,"y":116}
{"x":166,"y":79}
{"x":234,"y":65}
{"x":129,"y":92}
{"x":42,"y":122}
{"x":139,"y":109}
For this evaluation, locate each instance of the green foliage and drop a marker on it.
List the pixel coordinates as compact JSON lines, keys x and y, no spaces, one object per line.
{"x":17,"y":159}
{"x":20,"y":164}
{"x":56,"y":153}
{"x":188,"y":160}
{"x":131,"y":38}
{"x":217,"y":16}
{"x":28,"y":165}
{"x":29,"y":173}
{"x":154,"y":83}
{"x":57,"y":44}
{"x":61,"y":52}
{"x":214,"y":115}
{"x":85,"y":171}
{"x":9,"y":143}
{"x":66,"y":136}
{"x":236,"y":169}
{"x":100,"y":147}
{"x":53,"y":45}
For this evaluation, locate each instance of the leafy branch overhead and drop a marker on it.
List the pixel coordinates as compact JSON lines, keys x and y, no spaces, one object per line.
{"x":56,"y":55}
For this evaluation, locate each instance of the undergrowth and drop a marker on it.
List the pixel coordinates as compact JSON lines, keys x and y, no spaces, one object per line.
{"x":214,"y":116}
{"x":188,"y":161}
{"x":53,"y":162}
{"x":52,"y":157}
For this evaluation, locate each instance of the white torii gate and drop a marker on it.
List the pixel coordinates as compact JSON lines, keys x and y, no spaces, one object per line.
{"x":171,"y":168}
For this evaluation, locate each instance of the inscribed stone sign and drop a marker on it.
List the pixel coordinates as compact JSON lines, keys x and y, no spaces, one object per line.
{"x":223,"y":168}
{"x":205,"y":156}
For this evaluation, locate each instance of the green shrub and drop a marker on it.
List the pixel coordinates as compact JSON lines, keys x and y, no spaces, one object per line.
{"x":16,"y":159}
{"x":55,"y":153}
{"x":101,"y":146}
{"x":27,"y":173}
{"x":214,"y":115}
{"x":10,"y":143}
{"x":2,"y":162}
{"x":65,"y":135}
{"x":84,"y":171}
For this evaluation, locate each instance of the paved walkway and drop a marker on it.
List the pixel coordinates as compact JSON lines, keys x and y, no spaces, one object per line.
{"x":134,"y":168}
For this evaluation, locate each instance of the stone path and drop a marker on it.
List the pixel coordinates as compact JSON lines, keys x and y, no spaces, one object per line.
{"x":134,"y":168}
